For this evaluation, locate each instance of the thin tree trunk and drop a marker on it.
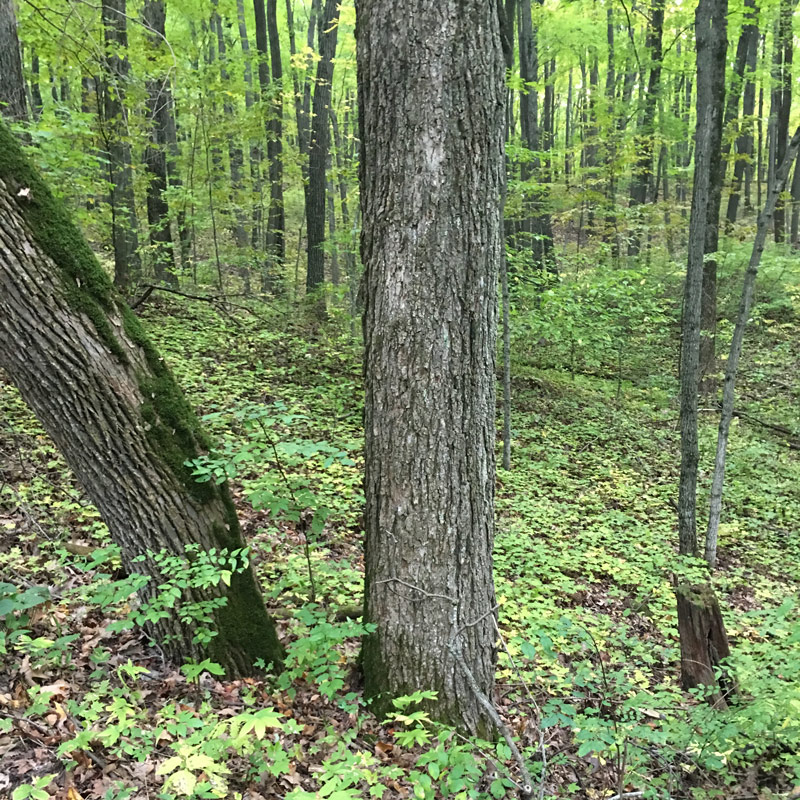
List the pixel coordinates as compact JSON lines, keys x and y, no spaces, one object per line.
{"x":276,"y":222}
{"x":256,"y":238}
{"x":760,"y":155}
{"x":82,"y":361}
{"x":568,"y":134}
{"x":794,"y":235}
{"x":125,"y":240}
{"x":713,"y":89}
{"x":339,"y":150}
{"x":782,"y":100}
{"x":431,"y":193}
{"x":538,"y":225}
{"x":159,"y":109}
{"x":731,"y":369}
{"x":318,"y":148}
{"x":238,"y":219}
{"x":710,"y":23}
{"x":36,"y":89}
{"x":643,"y":169}
{"x":12,"y":84}
{"x":335,"y":274}
{"x":744,"y":142}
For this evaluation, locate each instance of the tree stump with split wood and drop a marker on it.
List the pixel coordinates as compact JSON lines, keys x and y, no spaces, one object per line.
{"x":704,"y":643}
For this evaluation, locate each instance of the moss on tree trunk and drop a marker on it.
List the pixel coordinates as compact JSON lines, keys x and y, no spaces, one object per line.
{"x":83,"y":363}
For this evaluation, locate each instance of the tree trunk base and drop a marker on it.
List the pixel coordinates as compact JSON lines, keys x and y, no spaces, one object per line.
{"x":704,"y":643}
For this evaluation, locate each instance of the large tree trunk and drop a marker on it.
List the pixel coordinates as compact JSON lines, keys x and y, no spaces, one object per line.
{"x":12,"y":85}
{"x":431,"y":131}
{"x":83,"y":363}
{"x":318,"y":148}
{"x":125,"y":240}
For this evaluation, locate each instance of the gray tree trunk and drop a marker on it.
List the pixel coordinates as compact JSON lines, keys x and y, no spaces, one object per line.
{"x":159,"y":108}
{"x":744,"y":142}
{"x":238,"y":218}
{"x":256,"y":237}
{"x":782,"y":100}
{"x":712,"y":87}
{"x":710,"y":25}
{"x":643,"y":169}
{"x":318,"y":148}
{"x":538,"y":226}
{"x":431,"y":131}
{"x":12,"y":84}
{"x":276,"y":218}
{"x":731,"y":369}
{"x":124,"y":236}
{"x":82,"y":361}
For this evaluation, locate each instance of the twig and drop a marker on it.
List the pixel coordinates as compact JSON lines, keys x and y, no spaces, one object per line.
{"x":526,"y":787}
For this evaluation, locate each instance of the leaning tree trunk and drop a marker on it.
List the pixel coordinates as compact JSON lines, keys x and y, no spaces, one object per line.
{"x":83,"y":363}
{"x":431,"y":132}
{"x":748,"y":287}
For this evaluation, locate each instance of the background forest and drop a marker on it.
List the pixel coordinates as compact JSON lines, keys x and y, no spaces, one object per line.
{"x":208,"y":151}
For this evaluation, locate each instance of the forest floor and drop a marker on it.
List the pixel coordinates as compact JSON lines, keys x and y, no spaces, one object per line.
{"x":585,"y":560}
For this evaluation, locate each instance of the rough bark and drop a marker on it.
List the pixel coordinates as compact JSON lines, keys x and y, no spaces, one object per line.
{"x":318,"y":148}
{"x":124,"y":236}
{"x":711,"y":91}
{"x":709,"y":26}
{"x":159,"y":109}
{"x":431,"y":125}
{"x":81,"y":360}
{"x":12,"y":85}
{"x":704,"y":643}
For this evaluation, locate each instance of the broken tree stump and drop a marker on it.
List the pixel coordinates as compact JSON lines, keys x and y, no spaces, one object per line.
{"x":704,"y":643}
